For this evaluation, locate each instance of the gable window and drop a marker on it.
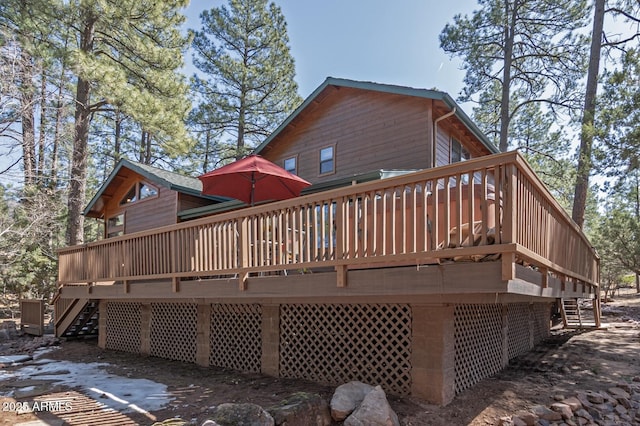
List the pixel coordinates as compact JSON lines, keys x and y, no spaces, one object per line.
{"x":290,"y":165}
{"x":139,"y":191}
{"x":327,"y":160}
{"x":147,"y":191}
{"x":458,"y":152}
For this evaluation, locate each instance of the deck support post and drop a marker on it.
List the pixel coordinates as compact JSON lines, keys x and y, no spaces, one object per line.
{"x":126,"y":286}
{"x":270,"y":362}
{"x":505,"y":335}
{"x":102,"y":324}
{"x":508,"y":266}
{"x":544,"y":272}
{"x":203,"y":334}
{"x":433,"y":353}
{"x":175,"y":284}
{"x":145,"y":329}
{"x":242,"y":281}
{"x":341,"y":276}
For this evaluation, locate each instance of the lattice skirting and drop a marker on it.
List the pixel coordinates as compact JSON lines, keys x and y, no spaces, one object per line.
{"x":236,"y":338}
{"x":326,"y":343}
{"x":479,"y":337}
{"x":335,"y":344}
{"x":518,"y":329}
{"x":478,"y":343}
{"x":123,"y":326}
{"x":174,"y":331}
{"x":541,"y":325}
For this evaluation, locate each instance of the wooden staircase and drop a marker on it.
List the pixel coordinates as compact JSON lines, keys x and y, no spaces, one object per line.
{"x":79,"y":318}
{"x":573,"y":316}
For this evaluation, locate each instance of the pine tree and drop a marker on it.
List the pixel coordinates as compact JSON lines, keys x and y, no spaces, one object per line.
{"x":248,"y":86}
{"x":516,"y":52}
{"x":127,"y":56}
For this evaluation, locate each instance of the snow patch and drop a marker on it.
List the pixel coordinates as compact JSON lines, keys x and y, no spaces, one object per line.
{"x":142,"y":395}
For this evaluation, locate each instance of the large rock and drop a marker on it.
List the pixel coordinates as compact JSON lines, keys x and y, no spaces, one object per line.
{"x":241,"y":414}
{"x":347,"y":398}
{"x":302,"y":409}
{"x":374,"y":410}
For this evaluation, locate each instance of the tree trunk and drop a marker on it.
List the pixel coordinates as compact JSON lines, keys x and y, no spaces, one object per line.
{"x":505,"y":115}
{"x":78,"y":176}
{"x":117,"y":142}
{"x":27,"y":119}
{"x":207,"y":147}
{"x":43,"y":124}
{"x":586,"y":133}
{"x":145,"y":148}
{"x":53,"y":177}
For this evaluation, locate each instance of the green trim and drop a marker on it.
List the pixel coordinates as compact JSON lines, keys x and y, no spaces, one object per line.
{"x":174,"y":181}
{"x":384,"y":88}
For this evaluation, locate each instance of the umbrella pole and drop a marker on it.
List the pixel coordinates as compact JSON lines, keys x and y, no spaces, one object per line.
{"x":253,"y":186}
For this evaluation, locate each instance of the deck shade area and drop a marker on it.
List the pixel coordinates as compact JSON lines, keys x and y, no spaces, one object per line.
{"x":490,"y":206}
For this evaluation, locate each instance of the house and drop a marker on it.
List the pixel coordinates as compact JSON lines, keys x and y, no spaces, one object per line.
{"x":419,"y":259}
{"x":138,"y":197}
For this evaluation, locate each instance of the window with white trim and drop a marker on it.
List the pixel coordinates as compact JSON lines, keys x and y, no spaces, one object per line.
{"x":327,"y":163}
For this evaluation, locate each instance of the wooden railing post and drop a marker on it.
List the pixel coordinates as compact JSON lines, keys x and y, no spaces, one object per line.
{"x":175,"y":281}
{"x":244,"y":247}
{"x":510,"y":218}
{"x":341,"y":218}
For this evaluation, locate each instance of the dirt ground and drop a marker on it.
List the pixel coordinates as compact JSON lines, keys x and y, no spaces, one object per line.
{"x":568,"y":362}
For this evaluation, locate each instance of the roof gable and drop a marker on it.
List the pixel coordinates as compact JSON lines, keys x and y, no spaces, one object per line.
{"x":384,"y":88}
{"x":174,"y":181}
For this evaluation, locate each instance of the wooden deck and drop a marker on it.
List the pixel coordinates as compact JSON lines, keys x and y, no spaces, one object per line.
{"x":416,"y":219}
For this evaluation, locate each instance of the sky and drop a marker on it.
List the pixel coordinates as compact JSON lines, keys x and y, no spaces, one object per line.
{"x":391,"y":42}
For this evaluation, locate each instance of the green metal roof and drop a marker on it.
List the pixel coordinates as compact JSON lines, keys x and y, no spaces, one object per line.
{"x":170,"y":180}
{"x":384,"y":88}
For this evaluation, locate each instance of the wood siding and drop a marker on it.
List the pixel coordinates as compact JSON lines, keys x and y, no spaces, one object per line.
{"x":152,"y":213}
{"x":145,"y":214}
{"x":369,"y":130}
{"x":186,"y":202}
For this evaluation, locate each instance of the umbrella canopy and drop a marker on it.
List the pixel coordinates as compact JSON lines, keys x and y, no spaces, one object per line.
{"x":252,"y":179}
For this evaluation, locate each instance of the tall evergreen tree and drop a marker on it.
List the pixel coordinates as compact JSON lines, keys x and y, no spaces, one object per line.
{"x":127,"y":56}
{"x":527,"y":49}
{"x":248,"y":86}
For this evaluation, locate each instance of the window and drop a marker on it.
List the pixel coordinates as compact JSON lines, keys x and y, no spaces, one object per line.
{"x":147,"y":191}
{"x":115,"y":225}
{"x":131,"y":196}
{"x":139,"y":191}
{"x":290,"y":165}
{"x":326,"y":160}
{"x":458,"y":152}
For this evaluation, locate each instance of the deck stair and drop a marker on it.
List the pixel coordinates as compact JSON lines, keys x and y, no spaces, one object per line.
{"x":575,"y":316}
{"x":80,"y":319}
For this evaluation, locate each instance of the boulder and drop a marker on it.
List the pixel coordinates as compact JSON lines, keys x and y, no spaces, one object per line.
{"x":347,"y":398}
{"x":373,"y":411}
{"x":563,"y":409}
{"x":303,"y":409}
{"x":573,"y":402}
{"x":527,"y":417}
{"x":545,"y":413}
{"x":241,"y":414}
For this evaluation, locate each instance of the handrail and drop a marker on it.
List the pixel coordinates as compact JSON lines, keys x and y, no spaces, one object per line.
{"x":493,"y":200}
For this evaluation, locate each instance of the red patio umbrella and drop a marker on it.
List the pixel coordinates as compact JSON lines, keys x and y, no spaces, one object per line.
{"x":252,"y":179}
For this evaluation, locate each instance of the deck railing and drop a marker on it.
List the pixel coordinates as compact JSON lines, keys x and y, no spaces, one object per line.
{"x":491,"y":206}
